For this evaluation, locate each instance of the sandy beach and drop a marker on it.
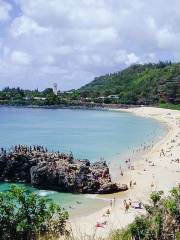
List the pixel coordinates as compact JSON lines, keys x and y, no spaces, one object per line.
{"x":156,"y":169}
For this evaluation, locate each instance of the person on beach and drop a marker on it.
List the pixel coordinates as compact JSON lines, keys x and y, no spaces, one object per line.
{"x":126,"y":206}
{"x":140,"y":205}
{"x":162,"y":153}
{"x":111,"y":203}
{"x":99,"y":225}
{"x":102,"y":225}
{"x":108,"y":212}
{"x":152,"y":185}
{"x":130,"y":184}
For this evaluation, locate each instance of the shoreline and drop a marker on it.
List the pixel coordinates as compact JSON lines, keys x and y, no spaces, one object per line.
{"x":85,"y":106}
{"x":163,"y":174}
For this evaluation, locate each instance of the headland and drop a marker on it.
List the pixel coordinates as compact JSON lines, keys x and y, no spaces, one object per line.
{"x":55,"y":171}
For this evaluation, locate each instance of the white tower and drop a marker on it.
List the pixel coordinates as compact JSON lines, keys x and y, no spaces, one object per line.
{"x":55,"y":88}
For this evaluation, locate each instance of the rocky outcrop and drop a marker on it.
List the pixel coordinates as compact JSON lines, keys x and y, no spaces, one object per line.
{"x":56,"y":171}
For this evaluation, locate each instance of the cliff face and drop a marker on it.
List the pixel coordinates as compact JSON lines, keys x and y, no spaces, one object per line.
{"x":55,"y":171}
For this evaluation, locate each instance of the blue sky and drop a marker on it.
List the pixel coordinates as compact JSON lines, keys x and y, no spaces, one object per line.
{"x":72,"y":41}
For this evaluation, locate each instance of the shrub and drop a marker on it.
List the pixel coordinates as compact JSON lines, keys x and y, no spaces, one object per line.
{"x":161,"y":222}
{"x":27,"y":216}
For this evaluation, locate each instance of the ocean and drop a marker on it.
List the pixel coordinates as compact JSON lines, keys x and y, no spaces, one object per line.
{"x":89,"y":134}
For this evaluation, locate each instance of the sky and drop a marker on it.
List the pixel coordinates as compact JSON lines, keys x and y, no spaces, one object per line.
{"x":69,"y":42}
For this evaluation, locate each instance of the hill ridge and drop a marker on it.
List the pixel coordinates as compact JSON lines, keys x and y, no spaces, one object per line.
{"x":138,"y":84}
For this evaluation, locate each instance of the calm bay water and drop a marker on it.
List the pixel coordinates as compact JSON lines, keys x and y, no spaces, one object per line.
{"x":87,"y":133}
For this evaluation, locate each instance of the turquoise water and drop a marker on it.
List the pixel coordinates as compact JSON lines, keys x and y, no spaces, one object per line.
{"x":87,"y":133}
{"x":74,"y":203}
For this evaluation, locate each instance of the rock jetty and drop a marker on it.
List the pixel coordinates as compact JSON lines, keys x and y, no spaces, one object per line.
{"x":55,"y":171}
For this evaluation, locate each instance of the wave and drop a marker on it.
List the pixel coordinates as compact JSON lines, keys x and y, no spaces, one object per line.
{"x":92,"y":196}
{"x":95,"y":196}
{"x":44,"y":193}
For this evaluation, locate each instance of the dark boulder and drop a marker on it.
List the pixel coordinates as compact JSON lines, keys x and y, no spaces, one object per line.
{"x":112,"y":188}
{"x":56,"y":171}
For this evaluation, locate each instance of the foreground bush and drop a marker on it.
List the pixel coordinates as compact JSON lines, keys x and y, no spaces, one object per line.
{"x":161,"y":222}
{"x":27,"y":216}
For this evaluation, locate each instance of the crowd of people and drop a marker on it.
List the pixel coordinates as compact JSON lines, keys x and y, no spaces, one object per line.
{"x":36,"y":151}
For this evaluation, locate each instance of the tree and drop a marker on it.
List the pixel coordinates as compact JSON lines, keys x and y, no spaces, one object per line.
{"x":48,"y":91}
{"x":27,"y":216}
{"x":52,"y":99}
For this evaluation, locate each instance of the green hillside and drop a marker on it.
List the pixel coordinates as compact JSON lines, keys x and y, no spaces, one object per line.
{"x":138,"y":84}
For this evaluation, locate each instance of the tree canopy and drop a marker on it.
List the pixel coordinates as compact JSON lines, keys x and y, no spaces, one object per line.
{"x":139,"y":84}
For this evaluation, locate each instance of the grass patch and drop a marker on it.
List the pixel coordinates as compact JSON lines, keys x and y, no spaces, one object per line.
{"x":170,"y":106}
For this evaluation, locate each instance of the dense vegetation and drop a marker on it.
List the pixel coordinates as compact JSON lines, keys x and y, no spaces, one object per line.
{"x":155,"y":84}
{"x":139,"y":84}
{"x":26,"y":216}
{"x":21,"y":97}
{"x":161,"y":222}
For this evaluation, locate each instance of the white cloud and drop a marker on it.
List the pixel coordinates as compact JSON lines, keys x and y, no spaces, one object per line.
{"x":62,"y":50}
{"x":49,"y":59}
{"x":52,"y":70}
{"x":120,"y":56}
{"x":5,"y":9}
{"x":21,"y":58}
{"x":25,"y":25}
{"x":168,"y":39}
{"x":123,"y":56}
{"x":73,"y":41}
{"x":5,"y":52}
{"x":132,"y":58}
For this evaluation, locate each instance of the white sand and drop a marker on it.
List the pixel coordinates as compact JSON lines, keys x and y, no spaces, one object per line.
{"x":164,"y":175}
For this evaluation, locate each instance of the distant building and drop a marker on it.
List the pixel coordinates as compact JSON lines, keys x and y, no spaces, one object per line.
{"x":68,"y":92}
{"x":28,"y":98}
{"x":59,"y":92}
{"x":113,"y":96}
{"x":101,"y":98}
{"x":39,"y":98}
{"x":55,"y":90}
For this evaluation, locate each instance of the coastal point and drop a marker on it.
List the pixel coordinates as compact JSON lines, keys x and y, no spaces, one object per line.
{"x":55,"y":171}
